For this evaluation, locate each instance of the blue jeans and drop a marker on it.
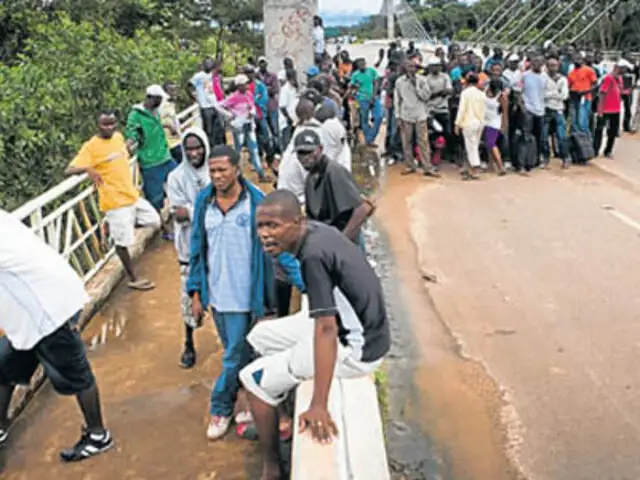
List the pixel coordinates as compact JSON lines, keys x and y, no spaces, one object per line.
{"x":366,"y":111}
{"x":274,"y":122}
{"x":246,"y":135}
{"x":579,"y":113}
{"x":262,"y":132}
{"x":232,"y":329}
{"x":560,"y":134}
{"x":393,"y":141}
{"x":153,"y":182}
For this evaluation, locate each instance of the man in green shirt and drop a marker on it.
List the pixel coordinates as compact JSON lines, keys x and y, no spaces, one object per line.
{"x":366,"y":85}
{"x":144,"y":129}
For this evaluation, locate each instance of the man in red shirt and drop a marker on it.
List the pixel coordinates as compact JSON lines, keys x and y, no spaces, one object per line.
{"x":608,"y":111}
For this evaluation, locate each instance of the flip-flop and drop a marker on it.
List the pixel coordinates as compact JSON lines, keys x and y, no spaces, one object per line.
{"x":142,"y":285}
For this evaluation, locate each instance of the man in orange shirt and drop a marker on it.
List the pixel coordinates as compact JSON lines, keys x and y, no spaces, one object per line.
{"x":582,"y":81}
{"x":105,"y":160}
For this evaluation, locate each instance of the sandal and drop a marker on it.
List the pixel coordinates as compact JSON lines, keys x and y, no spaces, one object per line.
{"x":142,"y":285}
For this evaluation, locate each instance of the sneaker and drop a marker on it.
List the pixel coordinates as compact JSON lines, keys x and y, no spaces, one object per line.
{"x":4,"y":435}
{"x":188,"y":358}
{"x":90,"y":444}
{"x":218,"y":427}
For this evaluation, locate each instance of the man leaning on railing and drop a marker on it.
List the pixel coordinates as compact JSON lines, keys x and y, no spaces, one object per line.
{"x":105,"y":160}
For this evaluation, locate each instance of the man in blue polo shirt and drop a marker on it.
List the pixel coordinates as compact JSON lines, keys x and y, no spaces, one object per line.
{"x":229,"y":272}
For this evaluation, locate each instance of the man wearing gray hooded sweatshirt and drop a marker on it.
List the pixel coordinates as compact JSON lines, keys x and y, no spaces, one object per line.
{"x":184,"y":184}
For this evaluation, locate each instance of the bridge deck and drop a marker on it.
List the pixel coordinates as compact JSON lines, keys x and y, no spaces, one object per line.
{"x":157,"y":412}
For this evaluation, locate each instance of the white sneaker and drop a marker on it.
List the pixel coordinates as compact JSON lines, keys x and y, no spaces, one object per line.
{"x":218,"y":427}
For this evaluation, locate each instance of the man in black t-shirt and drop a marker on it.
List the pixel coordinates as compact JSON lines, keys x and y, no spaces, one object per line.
{"x":331,"y":194}
{"x":343,"y":333}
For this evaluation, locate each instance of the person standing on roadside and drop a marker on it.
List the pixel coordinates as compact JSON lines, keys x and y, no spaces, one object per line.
{"x":144,"y":130}
{"x":261,"y":100}
{"x":470,"y":123}
{"x":273,"y":89}
{"x":42,"y":298}
{"x":105,"y":160}
{"x":201,"y":89}
{"x":410,"y":101}
{"x":393,"y":138}
{"x":582,"y":80}
{"x":170,"y":122}
{"x":288,"y":102}
{"x":555,"y":94}
{"x":533,"y":106}
{"x":230,"y":273}
{"x":608,"y":109}
{"x":441,"y":89}
{"x":627,"y":78}
{"x":365,"y":83}
{"x":183,"y":186}
{"x":317,"y":37}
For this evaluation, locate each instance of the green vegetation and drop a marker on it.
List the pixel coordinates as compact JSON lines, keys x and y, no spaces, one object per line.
{"x":62,"y":61}
{"x":382,"y":387}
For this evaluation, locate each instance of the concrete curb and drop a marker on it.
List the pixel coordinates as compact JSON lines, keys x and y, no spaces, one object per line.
{"x":99,"y":290}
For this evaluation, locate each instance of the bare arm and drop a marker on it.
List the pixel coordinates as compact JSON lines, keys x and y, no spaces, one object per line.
{"x":358,"y":217}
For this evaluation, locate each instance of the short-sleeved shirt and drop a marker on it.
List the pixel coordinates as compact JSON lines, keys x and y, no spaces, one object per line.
{"x":229,"y":247}
{"x":39,"y":291}
{"x":288,"y":100}
{"x":331,"y":195}
{"x":533,"y":88}
{"x":365,"y":82}
{"x":582,"y":79}
{"x":610,"y":94}
{"x":205,"y":95}
{"x":110,"y":159}
{"x":329,"y":260}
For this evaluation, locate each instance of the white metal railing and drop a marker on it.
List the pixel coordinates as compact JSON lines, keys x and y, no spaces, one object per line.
{"x":68,"y":219}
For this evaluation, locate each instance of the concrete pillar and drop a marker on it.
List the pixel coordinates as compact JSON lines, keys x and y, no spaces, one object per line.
{"x":391,"y":24}
{"x":287,"y":32}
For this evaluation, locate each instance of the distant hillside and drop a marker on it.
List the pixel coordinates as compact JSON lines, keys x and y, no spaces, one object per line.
{"x":343,"y":19}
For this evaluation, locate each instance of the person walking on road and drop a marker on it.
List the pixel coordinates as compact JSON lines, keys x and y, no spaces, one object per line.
{"x":495,"y":119}
{"x":288,"y":102}
{"x":608,"y":109}
{"x":410,"y":101}
{"x":183,"y":186}
{"x":273,"y":88}
{"x":105,"y":160}
{"x":533,"y":108}
{"x":144,"y":129}
{"x":470,"y":123}
{"x":202,"y":89}
{"x":345,"y":333}
{"x":441,"y":89}
{"x":42,"y":298}
{"x":230,"y":273}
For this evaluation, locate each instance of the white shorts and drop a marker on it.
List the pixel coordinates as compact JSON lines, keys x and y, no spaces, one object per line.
{"x":123,"y":221}
{"x":286,"y":346}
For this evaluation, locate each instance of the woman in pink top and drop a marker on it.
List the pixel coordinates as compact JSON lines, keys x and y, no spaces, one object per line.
{"x":243,"y":108}
{"x":216,"y":78}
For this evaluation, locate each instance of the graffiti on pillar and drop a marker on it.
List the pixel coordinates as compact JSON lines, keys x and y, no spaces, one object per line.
{"x":294,"y":33}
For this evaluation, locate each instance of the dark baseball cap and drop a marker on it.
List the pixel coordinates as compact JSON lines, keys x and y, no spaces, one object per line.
{"x":307,"y":141}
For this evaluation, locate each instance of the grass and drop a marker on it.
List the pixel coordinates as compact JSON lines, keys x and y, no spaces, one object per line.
{"x":382,"y":387}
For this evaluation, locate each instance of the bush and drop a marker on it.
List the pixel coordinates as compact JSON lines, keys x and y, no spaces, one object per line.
{"x":67,"y":73}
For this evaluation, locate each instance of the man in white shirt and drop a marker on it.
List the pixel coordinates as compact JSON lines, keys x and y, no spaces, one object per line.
{"x":288,"y":102}
{"x":317,"y":37}
{"x":201,"y":88}
{"x":41,"y":298}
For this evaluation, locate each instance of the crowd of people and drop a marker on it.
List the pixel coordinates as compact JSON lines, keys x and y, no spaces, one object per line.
{"x":513,"y":111}
{"x":240,"y":252}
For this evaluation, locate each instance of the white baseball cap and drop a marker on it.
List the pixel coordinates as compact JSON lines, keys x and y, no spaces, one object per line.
{"x":622,"y":63}
{"x":433,"y":61}
{"x":514,"y":58}
{"x":156,"y":91}
{"x":241,"y":79}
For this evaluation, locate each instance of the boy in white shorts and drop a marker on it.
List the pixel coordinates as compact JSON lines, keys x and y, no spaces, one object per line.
{"x":105,"y":159}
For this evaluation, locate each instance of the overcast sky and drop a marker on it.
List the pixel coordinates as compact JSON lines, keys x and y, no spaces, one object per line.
{"x":339,"y":6}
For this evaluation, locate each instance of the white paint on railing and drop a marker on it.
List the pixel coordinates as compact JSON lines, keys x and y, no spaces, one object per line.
{"x":67,"y":217}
